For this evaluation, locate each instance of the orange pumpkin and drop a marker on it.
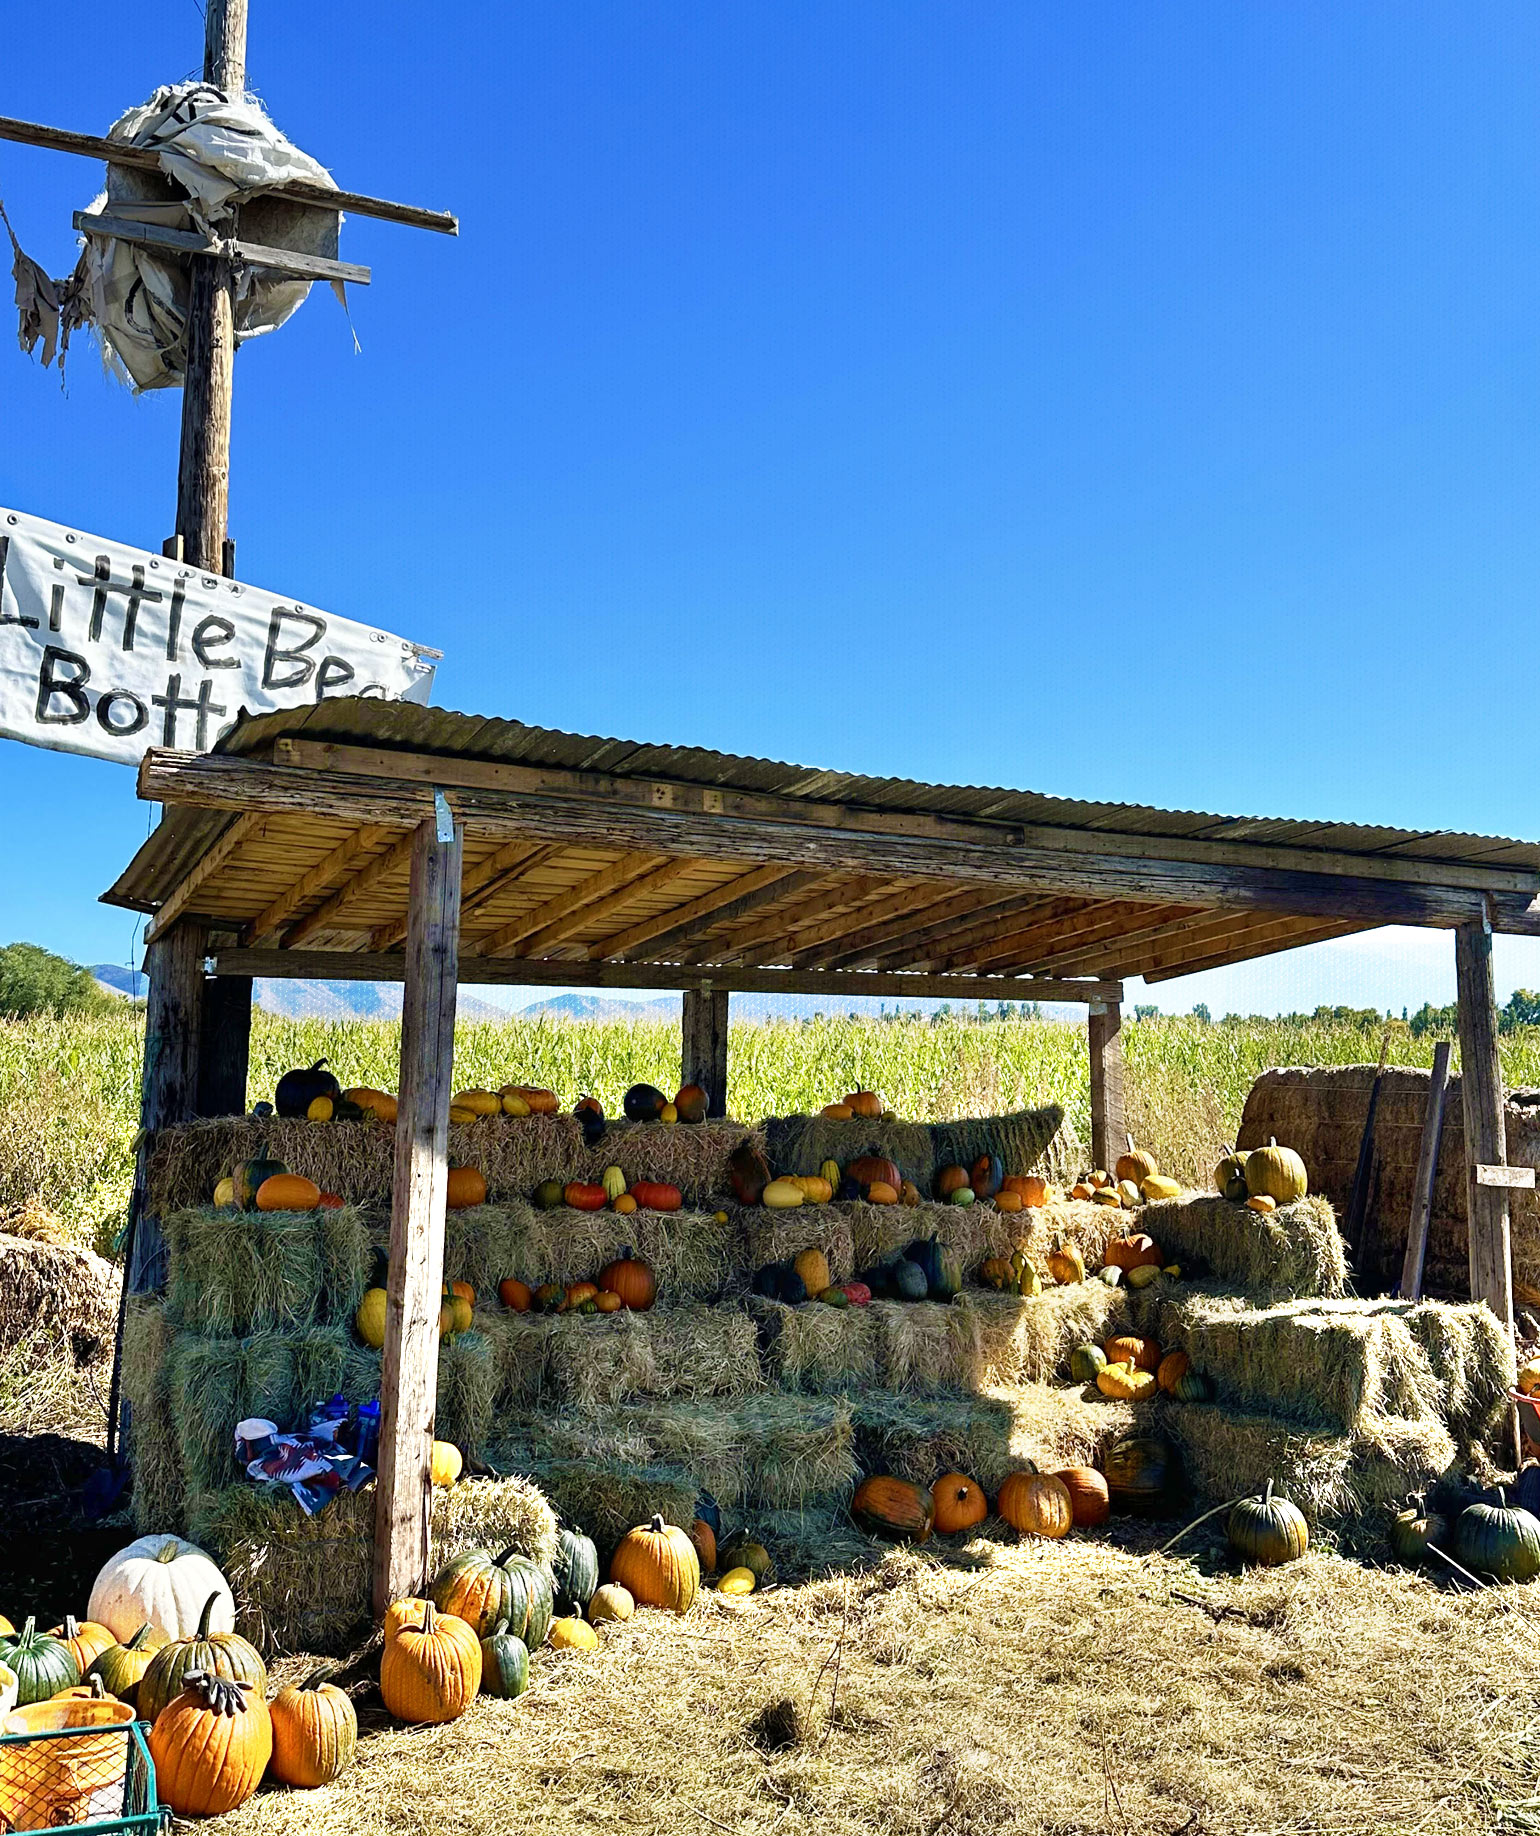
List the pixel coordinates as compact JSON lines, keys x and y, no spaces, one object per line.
{"x":430,"y":1673}
{"x":652,"y":1195}
{"x":583,"y":1197}
{"x":894,"y":1509}
{"x":288,"y":1192}
{"x":837,"y":1112}
{"x":1032,"y":1187}
{"x":1142,"y":1354}
{"x":1171,"y":1370}
{"x":211,"y":1745}
{"x":631,"y":1279}
{"x":879,"y":1192}
{"x":957,"y":1503}
{"x":579,"y":1292}
{"x":867,"y":1168}
{"x":541,"y":1102}
{"x":463,"y":1290}
{"x":315,"y":1733}
{"x":690,"y":1104}
{"x":1008,"y":1201}
{"x":657,"y":1565}
{"x":625,"y":1204}
{"x":515,"y":1295}
{"x":1036,"y":1504}
{"x":1135,"y":1252}
{"x":607,"y":1302}
{"x":85,"y":1638}
{"x":866,"y":1104}
{"x":402,"y":1613}
{"x":1080,"y":1190}
{"x":466,"y":1186}
{"x":1089,"y":1502}
{"x":705,"y":1540}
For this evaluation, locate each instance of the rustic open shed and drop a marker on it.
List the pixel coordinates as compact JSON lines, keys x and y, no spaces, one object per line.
{"x":382,"y":841}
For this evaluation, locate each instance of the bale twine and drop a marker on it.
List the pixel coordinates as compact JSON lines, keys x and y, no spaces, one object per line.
{"x":1320,"y":1113}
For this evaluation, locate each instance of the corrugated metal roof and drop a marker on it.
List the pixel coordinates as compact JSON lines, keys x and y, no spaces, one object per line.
{"x":408,"y":727}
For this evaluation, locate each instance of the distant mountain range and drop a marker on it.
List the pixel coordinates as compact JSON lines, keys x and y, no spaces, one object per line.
{"x":303,"y":1000}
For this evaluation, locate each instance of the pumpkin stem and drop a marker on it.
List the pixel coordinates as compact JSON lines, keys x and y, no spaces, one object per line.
{"x":207,"y":1614}
{"x":657,"y":1526}
{"x":1267,"y":1493}
{"x":1502,"y":1500}
{"x":316,"y":1677}
{"x":71,"y":1626}
{"x":507,"y":1556}
{"x":28,"y":1631}
{"x":168,"y":1551}
{"x":429,"y":1619}
{"x":136,"y":1643}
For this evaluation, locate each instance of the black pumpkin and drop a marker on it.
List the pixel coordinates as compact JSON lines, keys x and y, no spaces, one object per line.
{"x":590,"y":1114}
{"x":792,"y":1289}
{"x":1142,"y":1470}
{"x":504,"y":1663}
{"x":297,"y":1090}
{"x":925,"y":1253}
{"x":1526,"y":1488}
{"x":1501,"y":1540}
{"x":767,"y":1281}
{"x":1268,"y":1529}
{"x":574,"y":1572}
{"x":644,"y":1103}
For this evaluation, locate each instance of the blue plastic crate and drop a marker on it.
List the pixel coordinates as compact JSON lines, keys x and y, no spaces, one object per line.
{"x":69,"y":1769}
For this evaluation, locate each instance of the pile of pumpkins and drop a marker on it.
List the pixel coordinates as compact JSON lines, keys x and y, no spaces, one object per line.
{"x":921,"y":1270}
{"x":159,"y":1645}
{"x":1133,"y":1260}
{"x":1500,"y":1539}
{"x":1136,"y":1179}
{"x":1264,"y":1179}
{"x":313,"y":1094}
{"x":268,"y":1185}
{"x":610,"y":1191}
{"x":626,"y":1282}
{"x":1129,"y":1368}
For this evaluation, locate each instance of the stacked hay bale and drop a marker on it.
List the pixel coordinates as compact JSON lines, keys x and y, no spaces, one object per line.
{"x":1321,"y":1113}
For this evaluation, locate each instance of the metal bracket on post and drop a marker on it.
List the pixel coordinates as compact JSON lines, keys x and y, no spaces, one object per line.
{"x":443,"y":818}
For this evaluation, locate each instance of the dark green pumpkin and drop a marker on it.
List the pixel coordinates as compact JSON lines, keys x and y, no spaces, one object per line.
{"x":644,"y":1103}
{"x":43,"y":1665}
{"x":122,"y":1667}
{"x":531,"y":1598}
{"x":1142,"y":1470}
{"x":549,"y":1194}
{"x":1416,"y":1530}
{"x":1236,"y":1190}
{"x":1268,"y":1529}
{"x":504,"y":1663}
{"x":249,"y":1176}
{"x":1526,"y":1488}
{"x":909,"y":1282}
{"x":767,"y":1281}
{"x":949,"y":1286}
{"x":925,"y":1253}
{"x":574,"y":1572}
{"x":297,"y":1090}
{"x":1192,"y":1386}
{"x":709,"y":1512}
{"x":1086,"y":1363}
{"x":217,"y":1654}
{"x":790,"y":1288}
{"x":1501,"y":1540}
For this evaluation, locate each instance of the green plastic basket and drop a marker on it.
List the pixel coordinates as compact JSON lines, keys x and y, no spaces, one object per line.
{"x":47,"y":1780}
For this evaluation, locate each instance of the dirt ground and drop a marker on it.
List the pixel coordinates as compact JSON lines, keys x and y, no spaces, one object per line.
{"x":1053,"y":1688}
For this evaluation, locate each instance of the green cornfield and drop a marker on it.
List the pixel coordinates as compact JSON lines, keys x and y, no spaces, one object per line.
{"x":69,"y":1098}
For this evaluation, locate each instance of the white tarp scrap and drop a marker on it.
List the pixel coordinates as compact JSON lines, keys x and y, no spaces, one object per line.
{"x":218,"y":160}
{"x":109,"y":650}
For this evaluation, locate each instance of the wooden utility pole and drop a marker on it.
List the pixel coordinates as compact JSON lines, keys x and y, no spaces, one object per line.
{"x":203,"y":474}
{"x":1106,"y":1036}
{"x":704,"y":1055}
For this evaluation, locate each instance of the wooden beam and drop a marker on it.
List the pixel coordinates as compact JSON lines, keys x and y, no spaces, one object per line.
{"x":966,"y":852}
{"x":545,"y":921}
{"x":224,"y":1050}
{"x":245,"y":828}
{"x":683,"y":917}
{"x":1486,"y":1134}
{"x":248,"y":254}
{"x":1143,"y":943}
{"x":708,"y":940}
{"x":661,"y":876}
{"x":1105,"y":1023}
{"x":483,"y":883}
{"x":366,"y":966}
{"x":316,"y":880}
{"x":168,"y":1085}
{"x":834,"y":892}
{"x":703,"y":1059}
{"x":851,"y":939}
{"x":683,"y":799}
{"x":396,"y":859}
{"x":1427,"y":1172}
{"x":409,"y":1373}
{"x":142,"y":159}
{"x":1015,"y":942}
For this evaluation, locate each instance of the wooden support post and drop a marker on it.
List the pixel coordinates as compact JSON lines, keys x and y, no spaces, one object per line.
{"x":1427,"y":1172}
{"x":224,"y":1051}
{"x":169,"y":1081}
{"x":704,"y":1058}
{"x":203,"y":479}
{"x":409,"y":1377}
{"x":1106,"y":1030}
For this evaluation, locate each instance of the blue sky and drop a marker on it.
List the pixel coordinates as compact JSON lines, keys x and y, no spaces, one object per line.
{"x":1112,"y":400}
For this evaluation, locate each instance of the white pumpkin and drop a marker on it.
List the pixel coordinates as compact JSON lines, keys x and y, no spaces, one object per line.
{"x":162,"y":1580}
{"x":10,"y":1687}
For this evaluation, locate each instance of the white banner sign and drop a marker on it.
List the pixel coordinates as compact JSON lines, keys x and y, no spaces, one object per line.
{"x":110,"y":650}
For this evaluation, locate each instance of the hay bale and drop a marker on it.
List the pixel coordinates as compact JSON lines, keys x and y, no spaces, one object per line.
{"x":1294,"y":1251}
{"x":926,"y":1346}
{"x":608,"y":1500}
{"x":1352,"y":1481}
{"x":160,"y":1487}
{"x":798,"y":1450}
{"x":467,"y":1391}
{"x":808,"y":1545}
{"x":520,"y":1345}
{"x":1026,"y":1340}
{"x":230,"y":1273}
{"x":776,"y":1236}
{"x":801,"y":1144}
{"x":1020,"y":1140}
{"x":71,"y":1295}
{"x":304,"y":1583}
{"x":691,"y":1156}
{"x":679,"y":1351}
{"x":1320,"y":1112}
{"x":823,"y":1350}
{"x":987,"y":1436}
{"x":968,"y":1232}
{"x":693,"y":1256}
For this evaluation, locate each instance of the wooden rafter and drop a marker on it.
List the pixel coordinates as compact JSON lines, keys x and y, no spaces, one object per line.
{"x":1287,"y":934}
{"x":317,"y":880}
{"x":1018,"y":943}
{"x":708,"y":940}
{"x":327,"y":917}
{"x":942,"y":910}
{"x":930,"y":942}
{"x":586,"y":892}
{"x":244,"y":829}
{"x":483,"y":883}
{"x":871,"y":924}
{"x":683,"y":918}
{"x":1138,"y":940}
{"x":832,"y":893}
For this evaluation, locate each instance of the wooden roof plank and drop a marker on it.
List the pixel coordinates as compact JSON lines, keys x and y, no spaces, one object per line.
{"x":240,"y":831}
{"x":396,"y":858}
{"x":313,"y":881}
{"x":682,"y":918}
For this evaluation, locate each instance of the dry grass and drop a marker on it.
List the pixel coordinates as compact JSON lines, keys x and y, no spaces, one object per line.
{"x":1293,"y":1251}
{"x":963,"y":1693}
{"x":55,"y":1289}
{"x":693,"y":1256}
{"x":230,"y":1273}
